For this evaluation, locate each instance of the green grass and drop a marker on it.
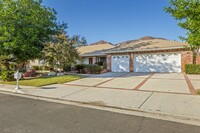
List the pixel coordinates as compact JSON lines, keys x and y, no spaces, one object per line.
{"x":37,"y":82}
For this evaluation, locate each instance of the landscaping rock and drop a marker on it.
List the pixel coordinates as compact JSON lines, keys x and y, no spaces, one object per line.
{"x":52,"y":74}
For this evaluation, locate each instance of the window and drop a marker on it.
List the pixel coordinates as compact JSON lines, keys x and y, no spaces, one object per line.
{"x":102,"y":59}
{"x":90,"y":61}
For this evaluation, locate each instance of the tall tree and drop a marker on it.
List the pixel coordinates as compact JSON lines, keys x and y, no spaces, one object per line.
{"x":188,"y":14}
{"x":60,"y":51}
{"x":78,"y":41}
{"x":24,"y":27}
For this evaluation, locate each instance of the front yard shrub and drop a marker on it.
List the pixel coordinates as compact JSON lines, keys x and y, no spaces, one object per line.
{"x":93,"y":68}
{"x":100,"y":63}
{"x":80,"y":67}
{"x":7,"y":75}
{"x":30,"y":73}
{"x":67,"y":68}
{"x":192,"y":68}
{"x":46,"y":68}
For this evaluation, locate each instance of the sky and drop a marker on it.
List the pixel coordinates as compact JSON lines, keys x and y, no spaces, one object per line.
{"x":116,"y":20}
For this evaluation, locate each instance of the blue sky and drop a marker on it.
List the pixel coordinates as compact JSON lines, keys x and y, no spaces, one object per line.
{"x":116,"y":20}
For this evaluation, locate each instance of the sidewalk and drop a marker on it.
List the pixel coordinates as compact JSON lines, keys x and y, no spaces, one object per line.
{"x":185,"y":107}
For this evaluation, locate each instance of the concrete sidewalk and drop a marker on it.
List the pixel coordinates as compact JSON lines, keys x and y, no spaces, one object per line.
{"x":181,"y":106}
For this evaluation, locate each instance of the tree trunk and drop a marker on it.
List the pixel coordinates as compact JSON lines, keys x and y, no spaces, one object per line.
{"x":194,"y":57}
{"x":6,"y":64}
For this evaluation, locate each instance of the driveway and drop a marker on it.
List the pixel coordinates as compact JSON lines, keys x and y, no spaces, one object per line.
{"x":177,"y":83}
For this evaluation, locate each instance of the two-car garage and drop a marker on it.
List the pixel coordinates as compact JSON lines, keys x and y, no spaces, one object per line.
{"x":159,"y":62}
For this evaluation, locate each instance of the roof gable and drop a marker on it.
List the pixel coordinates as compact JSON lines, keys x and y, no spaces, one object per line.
{"x":97,"y":48}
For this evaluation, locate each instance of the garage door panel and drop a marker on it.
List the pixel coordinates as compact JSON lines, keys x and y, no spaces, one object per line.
{"x":157,"y":63}
{"x":120,"y":63}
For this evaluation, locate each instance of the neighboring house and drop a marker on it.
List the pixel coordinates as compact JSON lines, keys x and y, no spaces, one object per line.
{"x":94,"y":52}
{"x":149,"y":54}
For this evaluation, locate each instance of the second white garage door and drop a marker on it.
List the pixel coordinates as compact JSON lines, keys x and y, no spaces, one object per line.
{"x":120,"y":63}
{"x":165,"y":62}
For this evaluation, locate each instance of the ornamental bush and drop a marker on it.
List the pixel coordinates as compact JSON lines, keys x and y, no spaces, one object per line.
{"x":192,"y":68}
{"x":93,"y":68}
{"x":7,"y":75}
{"x":80,"y":67}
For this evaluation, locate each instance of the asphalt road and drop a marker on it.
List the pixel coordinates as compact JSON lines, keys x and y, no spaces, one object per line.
{"x":23,"y":115}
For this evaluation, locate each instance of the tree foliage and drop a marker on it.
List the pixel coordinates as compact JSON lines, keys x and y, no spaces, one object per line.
{"x":188,"y":14}
{"x":60,"y":51}
{"x":25,"y":25}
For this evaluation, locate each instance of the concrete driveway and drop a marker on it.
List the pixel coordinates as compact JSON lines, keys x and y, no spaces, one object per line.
{"x":150,"y":82}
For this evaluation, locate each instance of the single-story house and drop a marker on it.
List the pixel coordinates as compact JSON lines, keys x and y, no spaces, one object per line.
{"x":94,"y":52}
{"x":149,"y":54}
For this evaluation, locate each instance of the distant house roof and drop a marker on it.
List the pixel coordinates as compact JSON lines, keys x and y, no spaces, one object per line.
{"x":146,"y":44}
{"x":95,"y":49}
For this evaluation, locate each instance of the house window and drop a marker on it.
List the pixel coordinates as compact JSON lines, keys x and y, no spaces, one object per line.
{"x":102,"y":59}
{"x":90,"y":61}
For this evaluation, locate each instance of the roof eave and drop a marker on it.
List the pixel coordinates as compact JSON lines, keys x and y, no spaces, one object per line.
{"x":142,"y":50}
{"x":92,"y":55}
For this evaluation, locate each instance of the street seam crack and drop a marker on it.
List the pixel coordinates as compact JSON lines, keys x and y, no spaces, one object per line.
{"x":140,"y":126}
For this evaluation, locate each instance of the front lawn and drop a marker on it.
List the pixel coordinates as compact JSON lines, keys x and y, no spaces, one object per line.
{"x":42,"y":81}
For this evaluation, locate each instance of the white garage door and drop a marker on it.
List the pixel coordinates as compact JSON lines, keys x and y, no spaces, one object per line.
{"x":120,"y":63}
{"x":166,"y":62}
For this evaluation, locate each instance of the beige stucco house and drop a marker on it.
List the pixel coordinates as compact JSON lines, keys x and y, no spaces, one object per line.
{"x":94,"y":52}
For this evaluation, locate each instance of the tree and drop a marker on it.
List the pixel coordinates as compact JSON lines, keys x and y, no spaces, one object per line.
{"x":78,"y":41}
{"x":188,"y":14}
{"x":60,"y":51}
{"x":24,"y":27}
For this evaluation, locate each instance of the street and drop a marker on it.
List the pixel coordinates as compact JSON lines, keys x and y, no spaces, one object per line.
{"x":24,"y":115}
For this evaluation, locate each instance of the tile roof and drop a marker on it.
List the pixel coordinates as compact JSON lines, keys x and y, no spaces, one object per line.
{"x":95,"y":49}
{"x":146,"y":44}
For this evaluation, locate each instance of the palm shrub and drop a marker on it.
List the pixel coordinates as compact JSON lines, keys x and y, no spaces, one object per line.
{"x":7,"y":75}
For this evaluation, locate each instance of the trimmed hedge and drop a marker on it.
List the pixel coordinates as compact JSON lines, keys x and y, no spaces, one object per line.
{"x":192,"y":68}
{"x":95,"y":69}
{"x":88,"y":68}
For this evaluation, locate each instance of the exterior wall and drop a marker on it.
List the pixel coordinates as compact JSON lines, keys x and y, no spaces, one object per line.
{"x":186,"y":57}
{"x":79,"y":61}
{"x":85,"y":60}
{"x":94,"y":60}
{"x":108,"y":62}
{"x":131,"y":61}
{"x":198,"y":59}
